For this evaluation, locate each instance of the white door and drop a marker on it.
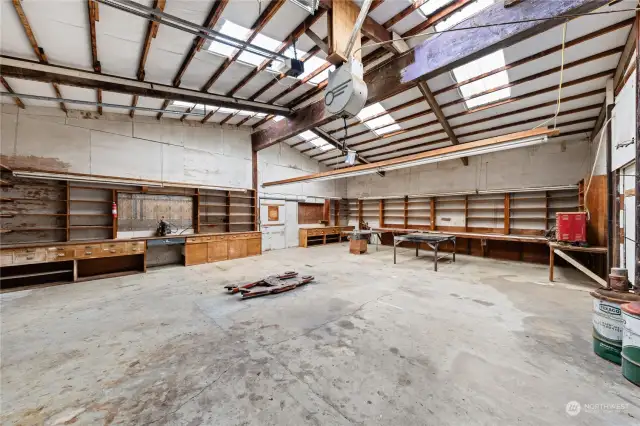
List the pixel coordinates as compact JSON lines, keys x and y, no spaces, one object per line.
{"x":291,"y":224}
{"x":272,"y":219}
{"x":629,"y":219}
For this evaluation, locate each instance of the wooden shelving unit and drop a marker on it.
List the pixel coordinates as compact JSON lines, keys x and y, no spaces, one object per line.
{"x":524,"y":213}
{"x":89,"y":213}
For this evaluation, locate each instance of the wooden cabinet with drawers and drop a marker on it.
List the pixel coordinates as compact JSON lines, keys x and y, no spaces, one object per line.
{"x":322,"y":235}
{"x":215,"y":248}
{"x":75,"y":261}
{"x":195,"y":254}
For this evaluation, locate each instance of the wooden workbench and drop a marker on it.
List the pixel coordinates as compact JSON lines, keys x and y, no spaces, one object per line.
{"x":79,"y":260}
{"x":322,"y":235}
{"x":559,"y":249}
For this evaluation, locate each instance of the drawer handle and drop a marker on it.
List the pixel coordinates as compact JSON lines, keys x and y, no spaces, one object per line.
{"x":61,"y":255}
{"x":30,"y":257}
{"x":87,"y":252}
{"x":112,"y":250}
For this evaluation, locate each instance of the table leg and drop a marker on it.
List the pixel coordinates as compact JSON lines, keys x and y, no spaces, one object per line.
{"x":394,"y":252}
{"x":454,"y":250}
{"x":551,"y":263}
{"x":417,"y":245}
{"x":435,"y":259}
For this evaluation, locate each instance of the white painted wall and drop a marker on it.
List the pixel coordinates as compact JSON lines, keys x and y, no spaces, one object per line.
{"x":281,"y":162}
{"x":115,"y":145}
{"x":147,"y":149}
{"x":551,"y":164}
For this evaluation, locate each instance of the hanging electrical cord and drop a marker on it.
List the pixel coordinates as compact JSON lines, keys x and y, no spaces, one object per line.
{"x":555,"y":116}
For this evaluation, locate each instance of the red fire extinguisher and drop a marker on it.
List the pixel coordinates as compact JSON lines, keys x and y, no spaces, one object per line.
{"x":114,"y":209}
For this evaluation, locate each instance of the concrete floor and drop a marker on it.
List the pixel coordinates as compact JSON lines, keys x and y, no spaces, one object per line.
{"x":480,"y":342}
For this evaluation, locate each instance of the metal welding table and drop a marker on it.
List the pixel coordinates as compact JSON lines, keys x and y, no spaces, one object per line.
{"x":432,"y":240}
{"x":357,"y":235}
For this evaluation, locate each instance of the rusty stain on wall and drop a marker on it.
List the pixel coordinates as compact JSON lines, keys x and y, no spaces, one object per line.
{"x":31,"y":162}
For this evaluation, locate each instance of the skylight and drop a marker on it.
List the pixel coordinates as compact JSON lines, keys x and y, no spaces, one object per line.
{"x":261,"y":40}
{"x":242,"y":33}
{"x":432,"y":5}
{"x":314,"y":140}
{"x":464,"y":13}
{"x":380,"y":125}
{"x":478,"y":67}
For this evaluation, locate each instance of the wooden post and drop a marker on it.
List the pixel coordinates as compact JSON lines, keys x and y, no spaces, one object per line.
{"x":406,"y":211}
{"x":228,"y":210}
{"x":254,"y":184}
{"x":336,"y":213}
{"x":114,"y":222}
{"x":381,"y":213}
{"x":326,"y":211}
{"x":196,"y":215}
{"x":68,"y":212}
{"x":546,"y":210}
{"x":551,"y":263}
{"x":341,"y":20}
{"x":610,"y":193}
{"x":432,"y":212}
{"x":466,"y":212}
{"x":360,"y":218}
{"x":507,"y":213}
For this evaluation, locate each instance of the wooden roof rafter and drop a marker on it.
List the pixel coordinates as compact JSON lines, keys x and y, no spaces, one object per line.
{"x":6,"y":85}
{"x":37,"y":49}
{"x":94,"y":16}
{"x":493,"y":105}
{"x":196,"y":45}
{"x":258,"y":25}
{"x":152,"y":32}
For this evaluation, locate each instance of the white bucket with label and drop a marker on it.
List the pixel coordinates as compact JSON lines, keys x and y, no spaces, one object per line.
{"x":607,"y":326}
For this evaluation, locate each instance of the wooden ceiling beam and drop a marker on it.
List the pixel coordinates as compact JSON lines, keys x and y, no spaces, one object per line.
{"x":415,"y":5}
{"x":39,"y":51}
{"x":258,"y":25}
{"x":421,"y":156}
{"x":623,"y":64}
{"x":513,"y":83}
{"x":29,"y":70}
{"x":435,"y":56}
{"x":94,"y":16}
{"x":152,"y":32}
{"x":540,"y":55}
{"x":196,"y":45}
{"x":311,"y":53}
{"x":482,"y":120}
{"x":436,"y":17}
{"x":373,"y":30}
{"x":442,"y":119}
{"x":288,"y":41}
{"x":402,"y":151}
{"x":523,"y":61}
{"x":10,"y":90}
